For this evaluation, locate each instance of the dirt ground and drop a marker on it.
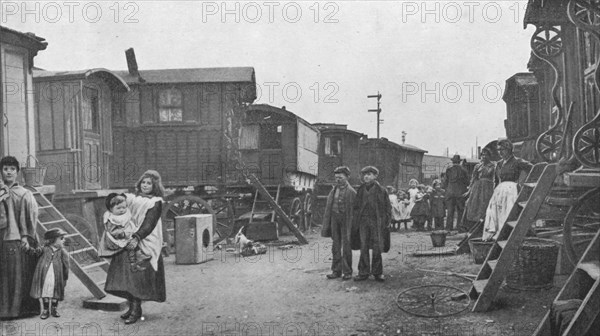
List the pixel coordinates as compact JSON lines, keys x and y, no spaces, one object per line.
{"x":285,"y":292}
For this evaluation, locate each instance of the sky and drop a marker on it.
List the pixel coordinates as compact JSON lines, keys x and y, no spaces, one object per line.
{"x":440,"y":66}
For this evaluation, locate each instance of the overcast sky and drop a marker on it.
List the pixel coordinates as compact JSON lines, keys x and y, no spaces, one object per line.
{"x":441,"y":66}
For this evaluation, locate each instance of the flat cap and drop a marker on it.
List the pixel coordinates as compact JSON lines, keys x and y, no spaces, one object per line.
{"x":342,"y":170}
{"x":369,"y":169}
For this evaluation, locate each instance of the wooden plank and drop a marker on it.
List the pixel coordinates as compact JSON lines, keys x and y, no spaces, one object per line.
{"x":286,"y":220}
{"x":479,"y":285}
{"x":592,"y":268}
{"x":543,"y":328}
{"x":587,"y":313}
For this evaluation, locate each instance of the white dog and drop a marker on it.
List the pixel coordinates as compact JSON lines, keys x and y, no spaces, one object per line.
{"x":241,"y":241}
{"x":247,"y":247}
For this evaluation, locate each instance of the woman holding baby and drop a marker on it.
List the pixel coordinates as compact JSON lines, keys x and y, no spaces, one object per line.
{"x":136,"y":271}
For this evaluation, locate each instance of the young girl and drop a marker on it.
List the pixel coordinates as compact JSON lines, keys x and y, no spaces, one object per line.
{"x":420,"y":211}
{"x":404,"y":201}
{"x":118,"y":228}
{"x":438,"y":204}
{"x":51,"y":273}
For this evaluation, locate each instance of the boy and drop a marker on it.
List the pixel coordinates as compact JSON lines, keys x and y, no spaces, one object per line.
{"x":373,"y":213}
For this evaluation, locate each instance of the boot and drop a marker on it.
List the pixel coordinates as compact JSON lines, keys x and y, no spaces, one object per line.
{"x":45,"y":313}
{"x":136,"y":312}
{"x":53,"y":311}
{"x":128,"y":312}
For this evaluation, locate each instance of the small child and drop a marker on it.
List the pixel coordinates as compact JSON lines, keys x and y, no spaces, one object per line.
{"x":396,"y":209}
{"x":404,"y":202}
{"x":118,"y":229}
{"x":438,"y":204}
{"x":51,"y":273}
{"x":420,"y":210}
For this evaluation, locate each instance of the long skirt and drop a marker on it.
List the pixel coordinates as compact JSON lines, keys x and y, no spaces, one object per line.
{"x":479,"y":199}
{"x":146,"y":285}
{"x":502,"y":201}
{"x":16,"y":275}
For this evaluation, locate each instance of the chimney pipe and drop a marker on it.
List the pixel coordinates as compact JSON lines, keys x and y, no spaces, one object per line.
{"x":132,"y":66}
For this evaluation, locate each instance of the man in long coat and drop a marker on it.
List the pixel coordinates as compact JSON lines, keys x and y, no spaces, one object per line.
{"x":455,"y":184}
{"x":337,"y":224}
{"x":373,"y":212}
{"x":18,"y":218}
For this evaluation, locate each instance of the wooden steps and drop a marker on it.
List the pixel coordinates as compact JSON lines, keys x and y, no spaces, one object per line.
{"x":85,"y":263}
{"x":583,"y":285}
{"x":537,"y":186}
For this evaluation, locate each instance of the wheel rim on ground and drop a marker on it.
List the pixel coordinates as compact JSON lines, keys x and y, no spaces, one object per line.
{"x":191,"y":205}
{"x":433,"y":301}
{"x":581,"y":224}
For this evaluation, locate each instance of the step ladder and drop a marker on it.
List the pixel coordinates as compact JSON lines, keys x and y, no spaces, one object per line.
{"x":584,"y":285}
{"x":528,"y":207}
{"x":260,"y":203}
{"x":260,"y":188}
{"x":85,"y":263}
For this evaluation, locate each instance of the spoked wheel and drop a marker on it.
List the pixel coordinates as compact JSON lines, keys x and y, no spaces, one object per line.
{"x":433,"y":301}
{"x":307,"y":209}
{"x":581,"y":224}
{"x":295,"y":213}
{"x":192,"y":205}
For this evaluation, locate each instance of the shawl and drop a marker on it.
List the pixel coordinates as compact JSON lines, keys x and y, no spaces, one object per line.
{"x":152,"y":244}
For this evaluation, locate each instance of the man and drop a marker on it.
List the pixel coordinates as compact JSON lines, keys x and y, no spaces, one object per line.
{"x":337,"y":224}
{"x":455,"y":184}
{"x":372,"y":221}
{"x":18,"y":217}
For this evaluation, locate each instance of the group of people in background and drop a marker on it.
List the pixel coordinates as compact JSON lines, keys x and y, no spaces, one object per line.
{"x":363,"y":219}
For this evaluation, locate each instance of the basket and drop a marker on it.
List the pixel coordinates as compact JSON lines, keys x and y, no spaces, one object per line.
{"x":438,"y":238}
{"x":479,"y":249}
{"x":33,"y":176}
{"x":534,"y":265}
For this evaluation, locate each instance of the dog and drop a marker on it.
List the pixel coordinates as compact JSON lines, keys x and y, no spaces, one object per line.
{"x":247,"y":247}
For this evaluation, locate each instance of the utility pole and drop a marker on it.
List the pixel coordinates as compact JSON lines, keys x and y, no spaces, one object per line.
{"x":378,"y":110}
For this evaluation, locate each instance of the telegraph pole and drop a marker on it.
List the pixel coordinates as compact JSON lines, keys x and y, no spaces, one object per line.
{"x":378,"y":110}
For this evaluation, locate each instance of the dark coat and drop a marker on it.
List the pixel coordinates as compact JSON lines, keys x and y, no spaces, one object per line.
{"x":437,"y":200}
{"x":350,"y":195}
{"x":384,"y":215}
{"x":456,"y":181}
{"x":511,"y":169}
{"x":59,"y":261}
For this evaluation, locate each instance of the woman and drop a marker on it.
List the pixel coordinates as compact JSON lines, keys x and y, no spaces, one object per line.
{"x":149,"y":284}
{"x":505,"y":195}
{"x":480,"y":190}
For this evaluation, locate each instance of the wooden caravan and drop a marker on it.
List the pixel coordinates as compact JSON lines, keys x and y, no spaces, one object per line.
{"x":73,"y":126}
{"x":280,"y":146}
{"x":282,"y":150}
{"x":17,"y":133}
{"x":338,"y":146}
{"x":181,"y":122}
{"x":73,"y":122}
{"x":397,"y":163}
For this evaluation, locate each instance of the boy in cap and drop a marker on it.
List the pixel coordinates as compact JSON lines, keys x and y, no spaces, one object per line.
{"x":337,"y":224}
{"x":373,"y":213}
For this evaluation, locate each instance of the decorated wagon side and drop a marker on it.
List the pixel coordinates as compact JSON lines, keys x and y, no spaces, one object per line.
{"x":281,"y":149}
{"x":73,"y":117}
{"x":184,"y":123}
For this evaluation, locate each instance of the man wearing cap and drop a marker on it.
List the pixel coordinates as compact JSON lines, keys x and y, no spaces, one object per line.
{"x":455,"y":184}
{"x":372,"y":224}
{"x":18,"y":217}
{"x":337,"y":224}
